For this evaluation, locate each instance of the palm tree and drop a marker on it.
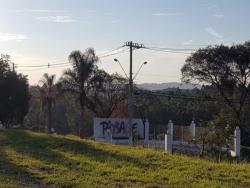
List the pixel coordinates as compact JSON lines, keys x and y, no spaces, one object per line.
{"x":48,"y":95}
{"x":76,"y":79}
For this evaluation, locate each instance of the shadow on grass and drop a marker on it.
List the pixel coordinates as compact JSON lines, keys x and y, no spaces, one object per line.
{"x":17,"y":174}
{"x":34,"y":147}
{"x":41,"y":147}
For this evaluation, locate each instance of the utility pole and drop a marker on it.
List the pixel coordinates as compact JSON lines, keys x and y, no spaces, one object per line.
{"x":131,"y":45}
{"x":13,"y":67}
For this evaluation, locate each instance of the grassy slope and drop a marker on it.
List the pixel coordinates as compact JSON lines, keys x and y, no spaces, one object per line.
{"x":40,"y":160}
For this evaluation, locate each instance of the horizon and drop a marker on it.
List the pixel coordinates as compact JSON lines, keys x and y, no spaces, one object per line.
{"x":41,"y":32}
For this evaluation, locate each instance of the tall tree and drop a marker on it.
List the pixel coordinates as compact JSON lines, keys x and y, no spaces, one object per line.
{"x":106,"y":92}
{"x":225,"y":68}
{"x":14,"y":94}
{"x":76,"y":79}
{"x":48,"y":97}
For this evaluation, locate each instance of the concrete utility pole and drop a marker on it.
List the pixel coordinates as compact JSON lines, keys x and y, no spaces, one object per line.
{"x":131,"y":45}
{"x":13,"y":67}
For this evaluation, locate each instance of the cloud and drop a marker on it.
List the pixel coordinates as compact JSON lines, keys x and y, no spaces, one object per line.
{"x":189,"y":42}
{"x":212,"y":32}
{"x":57,"y":19}
{"x":112,"y":21}
{"x":210,"y":6}
{"x":92,"y":11}
{"x":11,"y":37}
{"x":219,"y":16}
{"x":167,"y":14}
{"x":39,"y":10}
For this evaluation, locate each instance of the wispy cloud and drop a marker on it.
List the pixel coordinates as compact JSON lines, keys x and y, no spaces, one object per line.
{"x":219,"y":16}
{"x":91,"y":11}
{"x":37,"y":11}
{"x":189,"y":42}
{"x":210,"y":6}
{"x":12,"y":37}
{"x":112,"y":21}
{"x":57,"y":19}
{"x":211,"y":31}
{"x":167,"y":14}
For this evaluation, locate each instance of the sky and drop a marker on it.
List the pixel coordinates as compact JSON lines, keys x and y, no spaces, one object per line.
{"x":38,"y":32}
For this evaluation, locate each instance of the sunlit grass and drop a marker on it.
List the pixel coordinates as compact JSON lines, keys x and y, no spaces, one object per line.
{"x":37,"y":159}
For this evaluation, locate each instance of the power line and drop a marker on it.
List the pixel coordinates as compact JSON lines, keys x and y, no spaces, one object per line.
{"x":171,"y":49}
{"x":168,"y":51}
{"x":43,"y":68}
{"x":125,"y":50}
{"x":205,"y":98}
{"x":108,"y":54}
{"x":105,"y":53}
{"x":158,"y":75}
{"x":56,"y":65}
{"x":44,"y":65}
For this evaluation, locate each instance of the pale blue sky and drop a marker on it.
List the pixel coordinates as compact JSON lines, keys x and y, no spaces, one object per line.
{"x":42,"y":31}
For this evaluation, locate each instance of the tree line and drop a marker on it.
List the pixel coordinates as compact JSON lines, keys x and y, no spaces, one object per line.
{"x":85,"y":91}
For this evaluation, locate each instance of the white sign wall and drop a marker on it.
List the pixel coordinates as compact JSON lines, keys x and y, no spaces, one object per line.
{"x":119,"y":128}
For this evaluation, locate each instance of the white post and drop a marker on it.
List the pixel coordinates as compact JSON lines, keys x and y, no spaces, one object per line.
{"x":146,"y":136}
{"x":169,"y":138}
{"x":237,"y":142}
{"x":192,"y":130}
{"x":171,"y":127}
{"x":1,"y":126}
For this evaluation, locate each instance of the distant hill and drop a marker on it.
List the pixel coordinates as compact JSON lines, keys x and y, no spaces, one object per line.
{"x":161,"y":86}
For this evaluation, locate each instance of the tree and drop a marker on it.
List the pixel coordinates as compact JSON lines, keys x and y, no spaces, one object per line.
{"x":14,"y":95}
{"x":76,"y":79}
{"x":105,"y":93}
{"x":225,"y":68}
{"x":48,"y":97}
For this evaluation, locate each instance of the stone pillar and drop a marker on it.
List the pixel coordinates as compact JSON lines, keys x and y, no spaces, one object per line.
{"x":146,"y":136}
{"x":171,"y":127}
{"x":237,"y":142}
{"x":192,"y":130}
{"x":1,"y":126}
{"x":169,"y":138}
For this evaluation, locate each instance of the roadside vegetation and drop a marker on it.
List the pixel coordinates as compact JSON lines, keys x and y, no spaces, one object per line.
{"x":29,"y":159}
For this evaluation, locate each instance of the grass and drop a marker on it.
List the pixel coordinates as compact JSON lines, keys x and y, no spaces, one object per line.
{"x":29,"y":159}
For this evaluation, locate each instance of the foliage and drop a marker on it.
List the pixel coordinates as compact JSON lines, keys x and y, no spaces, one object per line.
{"x":14,"y":95}
{"x":75,"y":80}
{"x":29,"y":159}
{"x":48,"y":97}
{"x":105,"y":93}
{"x":174,"y":104}
{"x":225,"y":68}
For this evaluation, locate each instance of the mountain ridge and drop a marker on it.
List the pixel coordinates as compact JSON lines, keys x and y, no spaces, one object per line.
{"x":167,"y":85}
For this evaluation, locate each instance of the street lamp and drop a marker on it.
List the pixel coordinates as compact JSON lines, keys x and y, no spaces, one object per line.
{"x":144,"y":63}
{"x":116,"y":60}
{"x":130,"y":96}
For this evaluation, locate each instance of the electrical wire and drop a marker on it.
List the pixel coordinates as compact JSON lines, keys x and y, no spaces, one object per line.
{"x":44,"y":65}
{"x":125,"y":50}
{"x":169,"y":51}
{"x":205,"y":98}
{"x":43,"y":68}
{"x":108,"y":54}
{"x":55,"y":64}
{"x":105,"y":53}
